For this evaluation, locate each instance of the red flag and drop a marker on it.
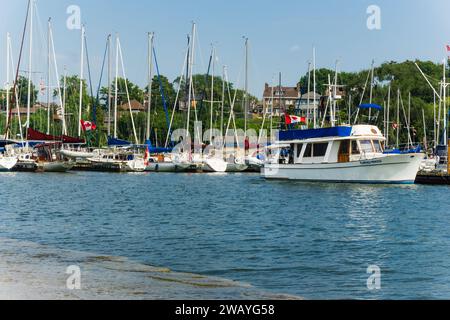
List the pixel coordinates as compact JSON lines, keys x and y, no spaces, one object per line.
{"x":294,"y":119}
{"x":448,"y":48}
{"x":394,"y":126}
{"x":88,"y":126}
{"x":146,"y":156}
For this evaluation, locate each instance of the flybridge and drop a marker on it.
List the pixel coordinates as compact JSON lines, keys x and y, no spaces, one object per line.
{"x":315,"y":133}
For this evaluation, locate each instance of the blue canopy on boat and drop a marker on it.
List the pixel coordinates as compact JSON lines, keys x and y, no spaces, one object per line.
{"x":371,"y":106}
{"x":314,"y":133}
{"x":153,"y":149}
{"x":118,"y":142}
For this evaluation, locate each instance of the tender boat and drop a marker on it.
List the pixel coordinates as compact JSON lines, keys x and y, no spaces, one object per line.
{"x":339,"y":154}
{"x":50,"y":159}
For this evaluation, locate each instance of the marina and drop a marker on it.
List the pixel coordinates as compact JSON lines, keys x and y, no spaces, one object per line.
{"x":189,"y":164}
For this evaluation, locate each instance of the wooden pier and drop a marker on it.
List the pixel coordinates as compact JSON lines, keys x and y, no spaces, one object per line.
{"x":434,"y":177}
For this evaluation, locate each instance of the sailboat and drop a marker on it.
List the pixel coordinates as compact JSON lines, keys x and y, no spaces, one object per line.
{"x":185,"y":158}
{"x":7,"y":161}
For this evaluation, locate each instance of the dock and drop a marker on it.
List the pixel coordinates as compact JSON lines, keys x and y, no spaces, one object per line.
{"x":433,"y":177}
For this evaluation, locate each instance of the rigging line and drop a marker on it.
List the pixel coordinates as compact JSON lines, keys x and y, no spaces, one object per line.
{"x":127,"y":91}
{"x":205,"y":87}
{"x":177,"y":96}
{"x":59,"y":84}
{"x":40,"y":32}
{"x":202,"y":60}
{"x":18,"y":66}
{"x":161,"y":88}
{"x":99,"y":83}
{"x":89,"y":75}
{"x":17,"y":96}
{"x":97,"y":100}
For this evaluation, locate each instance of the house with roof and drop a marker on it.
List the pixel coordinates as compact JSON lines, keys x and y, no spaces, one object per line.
{"x":278,"y":99}
{"x":136,"y":107}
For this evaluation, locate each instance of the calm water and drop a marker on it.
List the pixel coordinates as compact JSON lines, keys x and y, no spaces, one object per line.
{"x":312,"y":240}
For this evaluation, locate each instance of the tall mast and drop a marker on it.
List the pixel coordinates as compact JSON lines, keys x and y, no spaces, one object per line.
{"x":371,"y":88}
{"x":409,"y":119}
{"x":314,"y":88}
{"x":246,"y":86}
{"x":64,"y":96}
{"x":387,"y":115}
{"x":81,"y":81}
{"x":279,"y":92}
{"x":115,"y":86}
{"x":151,"y":36}
{"x":48,"y":76}
{"x":333,"y":118}
{"x":398,"y":118}
{"x":434,"y":121}
{"x":8,"y":41}
{"x":30,"y":61}
{"x":445,"y":105}
{"x":424,"y":129}
{"x":191,"y":62}
{"x":223,"y":99}
{"x":212,"y":93}
{"x":308,"y":110}
{"x":109,"y":84}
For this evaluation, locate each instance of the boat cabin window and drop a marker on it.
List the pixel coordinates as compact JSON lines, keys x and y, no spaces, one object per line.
{"x":320,"y":149}
{"x":315,"y":150}
{"x":378,"y":146}
{"x":299,"y":149}
{"x":366,"y":146}
{"x":308,"y":151}
{"x":355,"y":148}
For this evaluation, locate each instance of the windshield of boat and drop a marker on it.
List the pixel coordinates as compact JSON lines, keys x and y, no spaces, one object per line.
{"x":366,"y":146}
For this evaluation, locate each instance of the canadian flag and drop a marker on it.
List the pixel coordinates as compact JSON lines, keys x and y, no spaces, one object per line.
{"x":448,"y":48}
{"x":294,"y":119}
{"x":88,"y":126}
{"x":395,"y":126}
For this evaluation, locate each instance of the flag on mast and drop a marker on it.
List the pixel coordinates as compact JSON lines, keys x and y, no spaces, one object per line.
{"x":294,"y":119}
{"x":88,"y":125}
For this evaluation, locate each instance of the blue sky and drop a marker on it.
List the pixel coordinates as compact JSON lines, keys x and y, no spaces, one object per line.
{"x":282,"y":34}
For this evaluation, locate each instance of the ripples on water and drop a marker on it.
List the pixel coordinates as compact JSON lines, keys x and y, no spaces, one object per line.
{"x":312,"y":240}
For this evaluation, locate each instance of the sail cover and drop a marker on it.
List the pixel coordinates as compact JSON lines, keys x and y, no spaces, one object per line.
{"x":114,"y":142}
{"x":39,"y":136}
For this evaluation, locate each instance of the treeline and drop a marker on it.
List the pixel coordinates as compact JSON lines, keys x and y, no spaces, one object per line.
{"x":404,"y":77}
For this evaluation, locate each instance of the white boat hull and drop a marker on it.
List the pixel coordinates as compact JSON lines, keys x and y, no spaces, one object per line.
{"x":386,"y":169}
{"x":7,"y":163}
{"x":214,"y":165}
